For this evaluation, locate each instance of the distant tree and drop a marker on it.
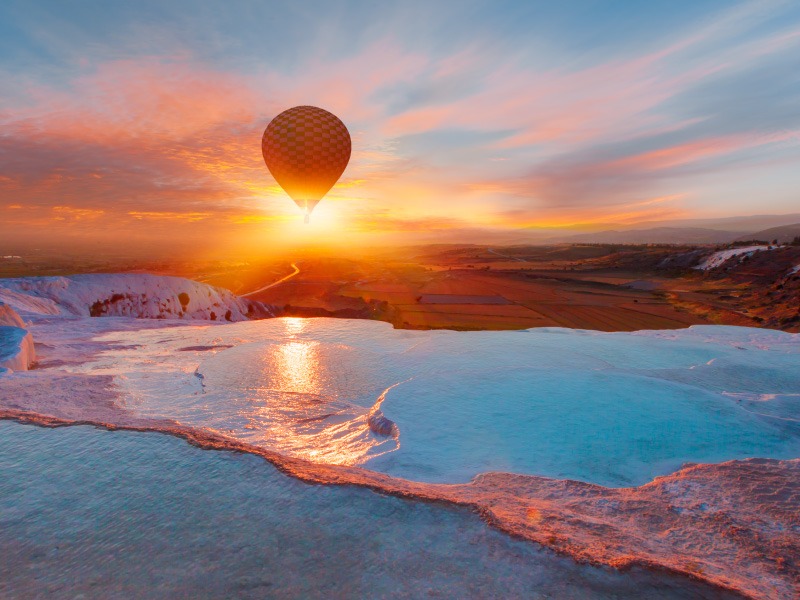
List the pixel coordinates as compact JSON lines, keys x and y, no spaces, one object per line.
{"x":796,"y":241}
{"x":183,"y":297}
{"x":748,"y":243}
{"x":213,"y":316}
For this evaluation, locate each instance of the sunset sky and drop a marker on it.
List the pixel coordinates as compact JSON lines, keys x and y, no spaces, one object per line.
{"x":143,"y":119}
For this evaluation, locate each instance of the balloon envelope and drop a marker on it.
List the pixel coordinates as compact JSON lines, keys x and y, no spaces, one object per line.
{"x":306,"y":149}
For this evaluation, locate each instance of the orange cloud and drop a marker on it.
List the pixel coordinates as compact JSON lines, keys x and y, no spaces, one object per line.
{"x":666,"y":158}
{"x":254,"y":219}
{"x":133,"y":99}
{"x":189,"y":217}
{"x":64,"y":213}
{"x":150,"y":140}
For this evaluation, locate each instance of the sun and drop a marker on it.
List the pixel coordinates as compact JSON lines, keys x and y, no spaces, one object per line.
{"x":325,"y":222}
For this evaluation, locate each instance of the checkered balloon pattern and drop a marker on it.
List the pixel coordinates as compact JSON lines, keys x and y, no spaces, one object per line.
{"x":306,"y":149}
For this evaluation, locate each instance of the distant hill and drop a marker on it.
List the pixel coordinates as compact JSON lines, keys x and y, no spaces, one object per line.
{"x":784,"y":234}
{"x":656,"y":235}
{"x":742,"y":224}
{"x":676,"y":231}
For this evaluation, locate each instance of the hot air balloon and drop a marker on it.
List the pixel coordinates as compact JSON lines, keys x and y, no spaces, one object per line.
{"x":306,"y":149}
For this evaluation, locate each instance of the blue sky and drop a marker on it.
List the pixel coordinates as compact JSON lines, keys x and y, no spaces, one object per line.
{"x":465,"y":116}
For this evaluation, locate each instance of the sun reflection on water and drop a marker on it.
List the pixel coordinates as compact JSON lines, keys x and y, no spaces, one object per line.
{"x":300,"y":401}
{"x":294,"y":325}
{"x":295,"y":367}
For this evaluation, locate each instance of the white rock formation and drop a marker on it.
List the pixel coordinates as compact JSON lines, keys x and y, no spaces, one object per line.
{"x":127,"y":295}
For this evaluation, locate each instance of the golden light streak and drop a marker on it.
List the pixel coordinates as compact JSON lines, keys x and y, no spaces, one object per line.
{"x":76,"y":214}
{"x":244,"y":219}
{"x":299,"y":408}
{"x":191,"y":217}
{"x":297,"y":367}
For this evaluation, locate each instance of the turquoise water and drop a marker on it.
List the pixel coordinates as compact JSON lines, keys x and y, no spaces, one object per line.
{"x":97,"y":514}
{"x":609,"y":427}
{"x":612,"y":409}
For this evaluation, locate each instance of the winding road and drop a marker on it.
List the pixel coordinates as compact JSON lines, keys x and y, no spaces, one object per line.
{"x":274,"y":283}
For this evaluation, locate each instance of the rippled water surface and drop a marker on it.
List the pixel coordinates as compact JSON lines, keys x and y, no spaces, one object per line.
{"x":90,"y":513}
{"x":613,"y":409}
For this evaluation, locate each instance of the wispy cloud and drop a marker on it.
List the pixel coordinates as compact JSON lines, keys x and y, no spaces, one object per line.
{"x":454,"y":127}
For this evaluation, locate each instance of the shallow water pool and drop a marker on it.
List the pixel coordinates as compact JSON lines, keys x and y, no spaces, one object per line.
{"x":90,"y":513}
